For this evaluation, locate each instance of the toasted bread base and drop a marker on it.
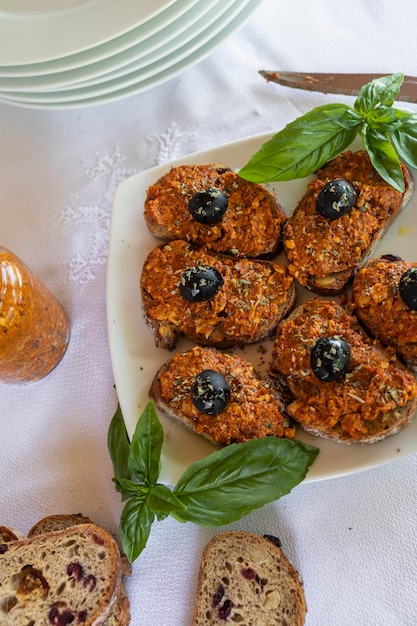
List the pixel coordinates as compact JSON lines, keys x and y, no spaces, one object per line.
{"x":378,"y":305}
{"x":251,"y":226}
{"x":255,"y":408}
{"x":376,"y":397}
{"x":314,"y":244}
{"x":255,"y":296}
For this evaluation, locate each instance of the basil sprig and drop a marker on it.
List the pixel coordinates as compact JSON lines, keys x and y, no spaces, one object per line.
{"x":306,"y":144}
{"x":216,"y":490}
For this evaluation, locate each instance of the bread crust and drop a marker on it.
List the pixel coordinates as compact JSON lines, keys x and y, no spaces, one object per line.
{"x":255,"y":296}
{"x":251,"y":226}
{"x":44,"y":566}
{"x":376,"y":397}
{"x":246,"y":578}
{"x":324,"y":254}
{"x":255,"y":408}
{"x":378,"y":305}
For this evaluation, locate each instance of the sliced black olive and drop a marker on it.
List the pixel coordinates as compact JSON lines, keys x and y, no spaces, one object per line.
{"x":210,"y":392}
{"x":329,"y":358}
{"x":335,"y":199}
{"x":200,"y":283}
{"x":208,"y":207}
{"x":408,"y":288}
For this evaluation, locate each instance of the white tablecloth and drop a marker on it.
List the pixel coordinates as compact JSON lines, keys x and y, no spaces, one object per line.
{"x":354,"y":538}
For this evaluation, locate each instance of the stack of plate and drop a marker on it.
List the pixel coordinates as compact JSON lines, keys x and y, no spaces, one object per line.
{"x":76,"y":53}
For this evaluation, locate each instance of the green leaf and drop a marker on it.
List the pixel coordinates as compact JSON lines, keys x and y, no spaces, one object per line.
{"x":380,"y":91}
{"x":135,"y":526}
{"x":163,"y":500}
{"x":404,"y":140}
{"x":129,"y":488}
{"x":303,"y":145}
{"x":118,"y":445}
{"x":145,"y":448}
{"x":384,"y":158}
{"x":231,"y":482}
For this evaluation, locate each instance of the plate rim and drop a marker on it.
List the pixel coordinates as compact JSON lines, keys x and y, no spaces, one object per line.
{"x":131,"y":56}
{"x":154,"y":80}
{"x":50,"y":36}
{"x":100,"y":52}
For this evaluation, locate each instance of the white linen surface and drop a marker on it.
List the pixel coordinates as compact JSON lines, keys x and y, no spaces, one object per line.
{"x":353,"y":539}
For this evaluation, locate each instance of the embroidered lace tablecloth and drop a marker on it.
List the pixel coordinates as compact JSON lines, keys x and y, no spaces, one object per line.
{"x":353,"y":538}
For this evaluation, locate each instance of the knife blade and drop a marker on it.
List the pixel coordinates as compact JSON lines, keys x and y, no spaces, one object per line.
{"x":348,"y":84}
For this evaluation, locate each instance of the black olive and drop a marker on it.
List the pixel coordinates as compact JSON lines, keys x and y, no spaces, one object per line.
{"x":200,"y":283}
{"x":210,"y":392}
{"x":208,"y":207}
{"x":329,"y":358}
{"x":408,"y":288}
{"x":335,"y":199}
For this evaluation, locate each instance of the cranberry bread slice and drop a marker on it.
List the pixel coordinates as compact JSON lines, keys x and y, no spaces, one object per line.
{"x":210,"y":205}
{"x":220,"y":397}
{"x":67,"y":576}
{"x":9,"y":534}
{"x":327,"y":238}
{"x":247,"y":579}
{"x":384,"y":296}
{"x":120,"y":613}
{"x":344,"y":385}
{"x":212,"y":299}
{"x":51,"y":523}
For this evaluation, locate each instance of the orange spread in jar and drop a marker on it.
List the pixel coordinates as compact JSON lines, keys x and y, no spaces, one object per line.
{"x":373,"y":386}
{"x":252,"y":294}
{"x":316,"y":246}
{"x":253,"y":410}
{"x":251,"y":224}
{"x":34,"y":329}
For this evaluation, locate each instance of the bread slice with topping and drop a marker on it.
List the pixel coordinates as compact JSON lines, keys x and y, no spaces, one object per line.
{"x":212,"y":299}
{"x":210,"y":205}
{"x":247,"y":579}
{"x":340,"y":219}
{"x":384,"y":296}
{"x":219,"y":396}
{"x":67,"y":576}
{"x":344,"y":385}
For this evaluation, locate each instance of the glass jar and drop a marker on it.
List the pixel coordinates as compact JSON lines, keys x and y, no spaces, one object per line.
{"x":34,"y":328}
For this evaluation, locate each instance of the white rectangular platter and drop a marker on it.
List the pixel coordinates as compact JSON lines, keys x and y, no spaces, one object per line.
{"x":135,"y":358}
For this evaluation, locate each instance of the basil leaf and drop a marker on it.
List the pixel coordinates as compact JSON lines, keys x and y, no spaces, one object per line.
{"x":118,"y":444}
{"x":145,"y":448}
{"x":384,"y":116}
{"x":350,"y":120}
{"x":380,"y":91}
{"x":135,"y":526}
{"x":404,"y":140}
{"x":383,"y":157}
{"x":303,"y":145}
{"x":129,"y":488}
{"x":163,"y":500}
{"x":231,"y":482}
